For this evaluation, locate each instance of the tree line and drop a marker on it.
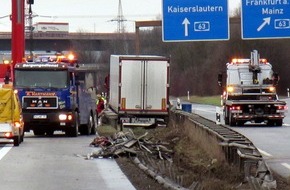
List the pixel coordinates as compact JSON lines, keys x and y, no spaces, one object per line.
{"x":195,"y":65}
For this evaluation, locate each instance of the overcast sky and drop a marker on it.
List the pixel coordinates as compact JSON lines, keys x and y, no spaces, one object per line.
{"x":91,"y":15}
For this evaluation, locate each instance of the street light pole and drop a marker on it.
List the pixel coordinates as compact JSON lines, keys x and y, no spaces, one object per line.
{"x":17,"y":39}
{"x":30,"y":2}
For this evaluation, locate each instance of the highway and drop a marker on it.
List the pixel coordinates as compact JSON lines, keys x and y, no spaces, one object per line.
{"x":57,"y":162}
{"x":272,"y":142}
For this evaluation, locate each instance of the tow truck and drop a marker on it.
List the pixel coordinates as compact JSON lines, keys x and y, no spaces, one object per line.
{"x":250,"y":92}
{"x":54,"y":96}
{"x":11,"y":120}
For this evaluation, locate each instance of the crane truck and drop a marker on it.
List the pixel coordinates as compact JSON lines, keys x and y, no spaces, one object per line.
{"x":55,"y":96}
{"x":250,"y":93}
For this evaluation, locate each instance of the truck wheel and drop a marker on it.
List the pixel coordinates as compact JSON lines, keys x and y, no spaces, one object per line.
{"x":241,"y":123}
{"x":38,"y":132}
{"x":227,"y":120}
{"x":232,"y":121}
{"x":166,"y":120}
{"x":279,"y":122}
{"x":270,"y":123}
{"x":94,"y":125}
{"x":16,"y":140}
{"x":26,"y":127}
{"x":22,"y":137}
{"x":73,"y":131}
{"x":89,"y":126}
{"x":226,"y":117}
{"x":49,"y":132}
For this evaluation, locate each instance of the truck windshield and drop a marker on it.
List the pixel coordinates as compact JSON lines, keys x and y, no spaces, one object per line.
{"x":44,"y":79}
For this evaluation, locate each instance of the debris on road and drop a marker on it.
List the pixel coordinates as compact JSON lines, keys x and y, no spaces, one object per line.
{"x":127,"y":144}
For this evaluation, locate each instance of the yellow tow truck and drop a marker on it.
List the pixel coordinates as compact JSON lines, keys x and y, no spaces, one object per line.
{"x":11,"y":122}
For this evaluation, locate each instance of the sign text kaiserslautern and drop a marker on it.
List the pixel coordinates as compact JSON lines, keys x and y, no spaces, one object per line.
{"x":265,"y":19}
{"x":195,"y":20}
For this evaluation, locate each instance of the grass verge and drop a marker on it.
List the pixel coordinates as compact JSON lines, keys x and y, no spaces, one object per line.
{"x":211,"y":100}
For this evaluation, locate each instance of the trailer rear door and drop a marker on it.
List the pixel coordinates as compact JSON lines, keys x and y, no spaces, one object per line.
{"x":156,"y":83}
{"x":131,"y":84}
{"x":144,"y":85}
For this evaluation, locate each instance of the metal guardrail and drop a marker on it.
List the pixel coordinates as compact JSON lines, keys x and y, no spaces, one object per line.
{"x":238,"y":149}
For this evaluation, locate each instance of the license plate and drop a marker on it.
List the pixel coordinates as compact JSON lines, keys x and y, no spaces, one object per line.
{"x":40,"y":117}
{"x":142,"y":120}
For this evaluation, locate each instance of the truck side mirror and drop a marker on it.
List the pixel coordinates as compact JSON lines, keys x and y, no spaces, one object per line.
{"x":77,"y":79}
{"x":220,"y":79}
{"x":6,"y":80}
{"x":276,"y":79}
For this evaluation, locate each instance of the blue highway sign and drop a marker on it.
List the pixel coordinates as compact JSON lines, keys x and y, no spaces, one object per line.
{"x":195,"y":20}
{"x":264,"y":19}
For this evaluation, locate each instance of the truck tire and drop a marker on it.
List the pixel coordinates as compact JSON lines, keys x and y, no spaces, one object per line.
{"x":87,"y":128}
{"x":22,"y":137}
{"x":270,"y":123}
{"x":279,"y":122}
{"x":73,"y":131}
{"x":16,"y":140}
{"x":38,"y":132}
{"x":232,"y":121}
{"x":94,"y":125}
{"x":227,"y":120}
{"x":26,"y":127}
{"x":241,"y":123}
{"x":226,"y":116}
{"x":49,"y":132}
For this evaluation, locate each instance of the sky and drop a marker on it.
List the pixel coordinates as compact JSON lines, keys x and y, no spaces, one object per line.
{"x":91,"y":15}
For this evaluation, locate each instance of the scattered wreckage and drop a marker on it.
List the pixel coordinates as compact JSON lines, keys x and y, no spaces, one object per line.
{"x":127,"y":144}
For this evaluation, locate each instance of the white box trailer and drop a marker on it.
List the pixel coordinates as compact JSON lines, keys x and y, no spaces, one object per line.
{"x":139,"y":88}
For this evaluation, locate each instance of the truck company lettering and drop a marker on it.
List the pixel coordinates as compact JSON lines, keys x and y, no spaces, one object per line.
{"x":266,"y":2}
{"x":39,"y":65}
{"x":31,"y":93}
{"x":180,"y":9}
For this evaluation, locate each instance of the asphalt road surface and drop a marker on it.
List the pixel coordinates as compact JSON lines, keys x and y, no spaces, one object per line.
{"x":57,"y":163}
{"x":273,"y":142}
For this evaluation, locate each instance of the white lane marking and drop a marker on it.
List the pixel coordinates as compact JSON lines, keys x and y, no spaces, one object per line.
{"x":4,"y":151}
{"x":286,"y":165}
{"x":264,"y":153}
{"x":286,"y":124}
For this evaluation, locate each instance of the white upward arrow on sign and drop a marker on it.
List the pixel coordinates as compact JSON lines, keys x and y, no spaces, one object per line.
{"x":185,"y":23}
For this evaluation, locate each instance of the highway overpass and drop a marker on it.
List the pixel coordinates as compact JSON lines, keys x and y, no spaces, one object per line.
{"x":59,"y":41}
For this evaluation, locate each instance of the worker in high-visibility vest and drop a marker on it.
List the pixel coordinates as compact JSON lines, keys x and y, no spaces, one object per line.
{"x":100,"y":106}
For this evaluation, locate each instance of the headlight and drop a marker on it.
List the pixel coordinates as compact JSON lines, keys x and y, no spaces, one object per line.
{"x":234,"y":89}
{"x":62,"y":117}
{"x":272,"y":89}
{"x":230,"y":89}
{"x":17,"y":124}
